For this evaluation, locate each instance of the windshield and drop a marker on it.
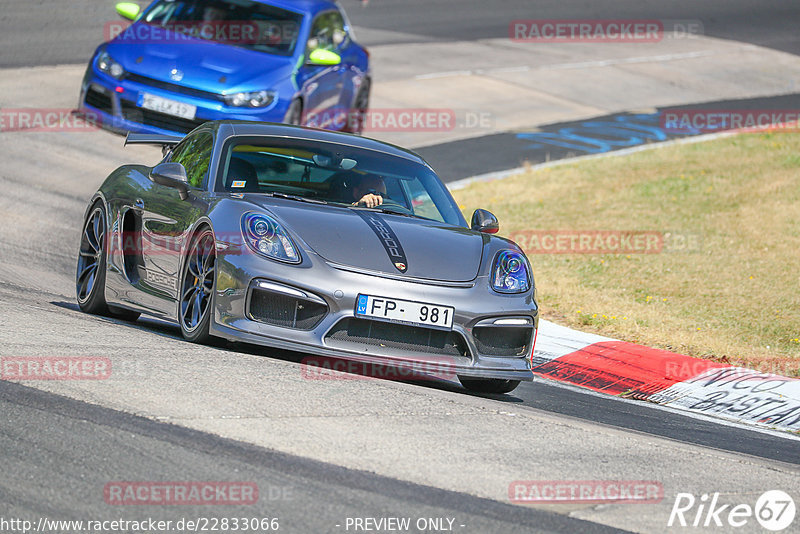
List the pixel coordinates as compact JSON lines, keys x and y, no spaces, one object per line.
{"x":241,"y":23}
{"x":337,"y":175}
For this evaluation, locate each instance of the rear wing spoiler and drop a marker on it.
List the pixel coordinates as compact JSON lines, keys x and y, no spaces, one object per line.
{"x":166,"y":141}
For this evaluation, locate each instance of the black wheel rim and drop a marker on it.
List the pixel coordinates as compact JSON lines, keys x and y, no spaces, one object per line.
{"x":90,"y":254}
{"x":198,"y":282}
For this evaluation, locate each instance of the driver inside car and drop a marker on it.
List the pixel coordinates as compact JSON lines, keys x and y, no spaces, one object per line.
{"x":369,"y":192}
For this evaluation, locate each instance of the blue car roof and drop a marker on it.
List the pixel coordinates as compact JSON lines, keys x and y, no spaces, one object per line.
{"x":310,"y":7}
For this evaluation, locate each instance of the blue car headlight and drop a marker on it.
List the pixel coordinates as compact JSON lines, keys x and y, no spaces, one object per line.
{"x":106,"y":63}
{"x":253,"y":99}
{"x":267,"y":237}
{"x":510,"y":273}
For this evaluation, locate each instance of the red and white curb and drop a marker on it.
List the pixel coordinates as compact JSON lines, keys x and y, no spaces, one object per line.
{"x":633,"y":371}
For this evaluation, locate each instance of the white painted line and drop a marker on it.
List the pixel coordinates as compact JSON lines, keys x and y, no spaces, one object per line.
{"x":628,"y":60}
{"x":447,"y":74}
{"x":566,"y":66}
{"x":554,"y":341}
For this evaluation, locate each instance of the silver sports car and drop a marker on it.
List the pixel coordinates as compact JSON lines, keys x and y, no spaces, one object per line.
{"x":329,"y":244}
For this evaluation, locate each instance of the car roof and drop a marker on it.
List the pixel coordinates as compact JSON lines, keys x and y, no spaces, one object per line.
{"x":229,"y":128}
{"x":311,"y":7}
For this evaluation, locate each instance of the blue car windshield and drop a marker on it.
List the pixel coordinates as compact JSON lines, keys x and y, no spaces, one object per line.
{"x":337,"y":175}
{"x":242,"y":23}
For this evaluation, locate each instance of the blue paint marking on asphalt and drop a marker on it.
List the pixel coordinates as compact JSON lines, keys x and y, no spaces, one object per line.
{"x":598,"y":136}
{"x":454,"y":160}
{"x":362,"y":304}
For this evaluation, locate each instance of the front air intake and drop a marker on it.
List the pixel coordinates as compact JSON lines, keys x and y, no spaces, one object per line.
{"x":279,"y":309}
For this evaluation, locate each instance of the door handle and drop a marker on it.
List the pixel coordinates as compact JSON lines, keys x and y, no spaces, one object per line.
{"x":139,"y":203}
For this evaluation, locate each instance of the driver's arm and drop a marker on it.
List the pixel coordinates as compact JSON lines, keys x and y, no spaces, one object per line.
{"x":370,"y":200}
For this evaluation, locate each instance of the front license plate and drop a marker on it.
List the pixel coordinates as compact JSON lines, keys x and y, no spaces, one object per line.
{"x":165,"y":105}
{"x":404,"y":311}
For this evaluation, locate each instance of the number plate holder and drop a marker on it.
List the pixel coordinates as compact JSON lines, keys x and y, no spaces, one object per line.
{"x":408,"y":312}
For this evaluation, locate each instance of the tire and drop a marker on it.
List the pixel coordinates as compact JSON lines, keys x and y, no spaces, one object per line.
{"x":294,"y":115}
{"x":360,"y":109}
{"x":488,"y":385}
{"x":90,"y":276}
{"x":198,"y":279}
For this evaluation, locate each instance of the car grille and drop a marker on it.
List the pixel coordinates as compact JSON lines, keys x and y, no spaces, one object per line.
{"x":401,"y":337}
{"x":98,"y":100}
{"x":175,"y":88}
{"x":502,"y":341}
{"x":284,"y":310}
{"x":158,"y":120}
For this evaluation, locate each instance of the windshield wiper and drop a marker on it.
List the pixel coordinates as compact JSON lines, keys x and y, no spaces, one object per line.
{"x":384,"y":209}
{"x":295,"y":197}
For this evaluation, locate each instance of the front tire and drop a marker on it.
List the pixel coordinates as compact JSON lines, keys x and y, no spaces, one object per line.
{"x":488,"y":385}
{"x":197,"y":288}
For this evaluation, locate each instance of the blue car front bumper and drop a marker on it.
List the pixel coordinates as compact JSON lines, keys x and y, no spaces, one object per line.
{"x":116,"y":104}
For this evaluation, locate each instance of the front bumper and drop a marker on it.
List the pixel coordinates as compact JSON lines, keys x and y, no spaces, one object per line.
{"x":476,"y":307}
{"x":115,"y":103}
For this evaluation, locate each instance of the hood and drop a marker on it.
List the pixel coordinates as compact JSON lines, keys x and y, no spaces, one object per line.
{"x":377,"y":241}
{"x":205,"y":65}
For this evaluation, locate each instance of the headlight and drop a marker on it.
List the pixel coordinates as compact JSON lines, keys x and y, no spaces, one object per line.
{"x":510,"y":273}
{"x":107,"y":64}
{"x":265,"y":236}
{"x":254,"y":99}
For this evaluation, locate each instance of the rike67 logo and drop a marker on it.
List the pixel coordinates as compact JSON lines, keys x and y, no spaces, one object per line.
{"x":774,"y":510}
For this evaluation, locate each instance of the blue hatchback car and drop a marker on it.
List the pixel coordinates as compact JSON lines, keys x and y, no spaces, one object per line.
{"x":184,"y":62}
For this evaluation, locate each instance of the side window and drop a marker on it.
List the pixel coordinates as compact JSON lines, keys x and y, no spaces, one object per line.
{"x":337,"y":23}
{"x":327,"y":32}
{"x":194,"y":153}
{"x":421,"y":202}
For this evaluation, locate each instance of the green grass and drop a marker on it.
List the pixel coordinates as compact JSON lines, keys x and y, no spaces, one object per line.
{"x":735,"y":298}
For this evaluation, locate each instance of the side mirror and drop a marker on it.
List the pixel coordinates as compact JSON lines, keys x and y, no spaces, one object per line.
{"x":322,"y":57}
{"x":485,"y":222}
{"x":173,"y":175}
{"x":128,"y":10}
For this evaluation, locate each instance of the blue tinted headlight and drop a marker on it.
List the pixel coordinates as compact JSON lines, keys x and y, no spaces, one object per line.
{"x":107,"y":64}
{"x":254,"y":99}
{"x":265,"y":236}
{"x":510,"y":273}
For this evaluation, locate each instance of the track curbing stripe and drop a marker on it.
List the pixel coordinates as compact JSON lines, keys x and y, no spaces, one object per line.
{"x":634,"y":371}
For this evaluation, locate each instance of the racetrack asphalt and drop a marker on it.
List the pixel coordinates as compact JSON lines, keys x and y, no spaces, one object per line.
{"x":48,"y":439}
{"x":353,"y":449}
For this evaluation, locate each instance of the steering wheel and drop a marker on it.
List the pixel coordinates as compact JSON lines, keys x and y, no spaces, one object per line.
{"x":389,"y":203}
